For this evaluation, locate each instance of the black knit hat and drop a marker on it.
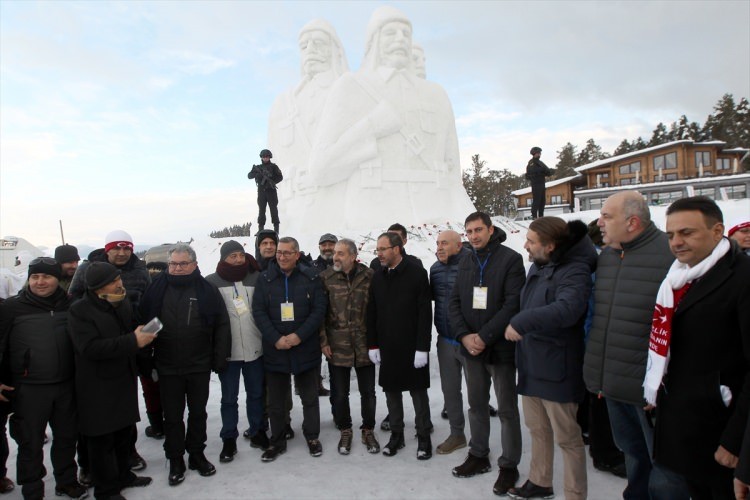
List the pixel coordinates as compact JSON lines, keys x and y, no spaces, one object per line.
{"x":100,"y":274}
{"x":266,"y":233}
{"x":66,"y":253}
{"x":45,"y":265}
{"x":230,"y":247}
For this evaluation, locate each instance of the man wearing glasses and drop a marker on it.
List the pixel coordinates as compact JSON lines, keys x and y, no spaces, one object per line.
{"x":289,"y":306}
{"x":196,"y":339}
{"x":399,"y":328}
{"x":39,"y":352}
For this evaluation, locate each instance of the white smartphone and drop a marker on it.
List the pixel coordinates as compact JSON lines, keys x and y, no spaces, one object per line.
{"x":154,"y":326}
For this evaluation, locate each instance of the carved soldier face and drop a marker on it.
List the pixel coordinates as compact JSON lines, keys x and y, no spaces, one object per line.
{"x":315,"y":49}
{"x":395,"y":45}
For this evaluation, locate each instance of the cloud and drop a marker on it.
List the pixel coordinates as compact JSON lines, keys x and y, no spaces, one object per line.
{"x":192,"y":62}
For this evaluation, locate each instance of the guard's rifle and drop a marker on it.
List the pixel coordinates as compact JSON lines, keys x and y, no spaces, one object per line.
{"x":263,"y":176}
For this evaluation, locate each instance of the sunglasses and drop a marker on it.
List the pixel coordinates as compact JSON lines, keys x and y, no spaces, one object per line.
{"x":43,"y":260}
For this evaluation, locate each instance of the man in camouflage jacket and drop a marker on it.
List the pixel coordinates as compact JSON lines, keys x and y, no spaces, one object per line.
{"x":343,"y":340}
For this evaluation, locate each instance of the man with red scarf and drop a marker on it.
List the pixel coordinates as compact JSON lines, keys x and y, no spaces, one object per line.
{"x":699,"y":351}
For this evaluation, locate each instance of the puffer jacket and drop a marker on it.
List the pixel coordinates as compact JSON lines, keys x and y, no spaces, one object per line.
{"x":306,"y":294}
{"x":442,"y":279}
{"x":554,"y":301}
{"x":345,"y":326}
{"x":624,"y":297}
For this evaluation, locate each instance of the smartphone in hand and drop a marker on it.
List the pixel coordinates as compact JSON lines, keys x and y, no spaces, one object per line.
{"x":154,"y":326}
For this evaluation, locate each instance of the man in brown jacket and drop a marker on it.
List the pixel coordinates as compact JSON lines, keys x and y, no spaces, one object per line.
{"x":343,"y":340}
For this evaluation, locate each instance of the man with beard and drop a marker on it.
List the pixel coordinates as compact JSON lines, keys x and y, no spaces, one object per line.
{"x":399,"y":317}
{"x":344,"y":342}
{"x":235,"y":277}
{"x":548,"y":332}
{"x":265,"y":247}
{"x":106,"y":341}
{"x":67,"y":257}
{"x":195,"y":340}
{"x":326,"y":245}
{"x":289,"y":306}
{"x":37,"y":349}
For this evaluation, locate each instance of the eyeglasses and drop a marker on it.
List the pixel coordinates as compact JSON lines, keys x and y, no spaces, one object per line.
{"x":285,"y":253}
{"x":382,"y":249}
{"x":180,"y":264}
{"x":43,"y":260}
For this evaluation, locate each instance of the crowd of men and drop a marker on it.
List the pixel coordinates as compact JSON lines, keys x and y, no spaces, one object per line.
{"x":668,"y":350}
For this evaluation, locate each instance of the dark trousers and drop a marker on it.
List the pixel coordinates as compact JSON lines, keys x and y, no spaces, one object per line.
{"x":110,"y":470}
{"x":35,"y":406}
{"x":602,"y":447}
{"x":267,"y":197}
{"x":252,"y":374}
{"x":340,"y":380}
{"x":537,"y":200}
{"x":715,"y":485}
{"x":175,"y":390}
{"x":278,"y":386}
{"x":4,"y":451}
{"x":151,"y":395}
{"x":421,"y":403}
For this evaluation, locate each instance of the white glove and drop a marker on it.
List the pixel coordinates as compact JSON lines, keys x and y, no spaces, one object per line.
{"x":420,"y":359}
{"x":374,"y":356}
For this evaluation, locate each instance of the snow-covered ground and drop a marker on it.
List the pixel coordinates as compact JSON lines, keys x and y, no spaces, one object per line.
{"x":360,"y":475}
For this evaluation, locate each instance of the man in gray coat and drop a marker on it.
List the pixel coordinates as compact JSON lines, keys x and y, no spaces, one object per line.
{"x":629,"y":271}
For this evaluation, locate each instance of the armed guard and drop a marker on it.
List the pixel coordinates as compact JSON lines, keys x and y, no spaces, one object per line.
{"x":266,"y":176}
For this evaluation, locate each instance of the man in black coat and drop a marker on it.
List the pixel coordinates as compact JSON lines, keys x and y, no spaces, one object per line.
{"x":399,"y":317}
{"x":484,"y":299}
{"x":102,"y":329}
{"x":196,"y":339}
{"x":537,"y":173}
{"x":35,"y":345}
{"x":266,"y":176}
{"x":703,"y":393}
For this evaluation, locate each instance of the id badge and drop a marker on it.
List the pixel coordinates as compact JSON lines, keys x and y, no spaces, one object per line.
{"x":240,"y":306}
{"x":287,"y":311}
{"x":479,"y":300}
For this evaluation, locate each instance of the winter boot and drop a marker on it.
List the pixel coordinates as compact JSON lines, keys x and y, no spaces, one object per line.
{"x":156,"y":429}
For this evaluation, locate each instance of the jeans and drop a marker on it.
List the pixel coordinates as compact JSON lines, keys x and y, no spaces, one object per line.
{"x":503,"y":376}
{"x":340,"y":379}
{"x":253,"y":376}
{"x":634,"y":435}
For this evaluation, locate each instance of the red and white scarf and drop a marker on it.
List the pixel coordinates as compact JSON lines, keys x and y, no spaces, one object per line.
{"x":678,"y":276}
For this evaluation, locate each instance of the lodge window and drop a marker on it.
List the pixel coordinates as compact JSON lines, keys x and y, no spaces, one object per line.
{"x":710,"y":192}
{"x":555,"y":199}
{"x":723,"y":164}
{"x":665,"y":162}
{"x":528,"y":202}
{"x":736,"y":192}
{"x":702,"y":158}
{"x":630,"y":168}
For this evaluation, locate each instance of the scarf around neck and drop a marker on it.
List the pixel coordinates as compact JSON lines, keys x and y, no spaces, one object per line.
{"x":674,"y":286}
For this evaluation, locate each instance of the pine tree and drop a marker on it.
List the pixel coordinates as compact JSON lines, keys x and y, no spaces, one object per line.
{"x":590,"y":153}
{"x":624,"y":147}
{"x":660,"y":135}
{"x":566,"y":161}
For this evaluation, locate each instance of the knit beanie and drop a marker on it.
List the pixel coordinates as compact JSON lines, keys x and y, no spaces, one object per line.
{"x":267,"y":233}
{"x":45,"y":265}
{"x":737,"y":227}
{"x":99,"y":274}
{"x":230,"y":247}
{"x":66,"y":253}
{"x":117,"y":238}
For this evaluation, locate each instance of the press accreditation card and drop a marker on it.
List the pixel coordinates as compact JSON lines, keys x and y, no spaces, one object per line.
{"x":479,"y":300}
{"x":240,"y":306}
{"x":287,"y":311}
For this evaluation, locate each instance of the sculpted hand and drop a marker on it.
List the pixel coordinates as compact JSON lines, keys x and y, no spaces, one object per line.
{"x":143,"y":339}
{"x":511,"y":334}
{"x":741,"y":490}
{"x":420,"y":359}
{"x":374,"y":356}
{"x":4,"y":387}
{"x":327,"y":351}
{"x":723,"y":457}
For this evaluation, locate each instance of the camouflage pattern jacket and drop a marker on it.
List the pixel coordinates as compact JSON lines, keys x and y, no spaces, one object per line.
{"x":345,"y":326}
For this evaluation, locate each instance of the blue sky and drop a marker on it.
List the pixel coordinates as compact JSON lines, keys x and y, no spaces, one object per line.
{"x":147,"y":116}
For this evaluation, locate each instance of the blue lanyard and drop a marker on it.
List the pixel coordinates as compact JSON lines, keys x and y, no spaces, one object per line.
{"x":482,"y":265}
{"x":236,"y":292}
{"x":286,"y":287}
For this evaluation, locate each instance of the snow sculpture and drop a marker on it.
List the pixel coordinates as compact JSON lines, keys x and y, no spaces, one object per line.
{"x":386,"y":148}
